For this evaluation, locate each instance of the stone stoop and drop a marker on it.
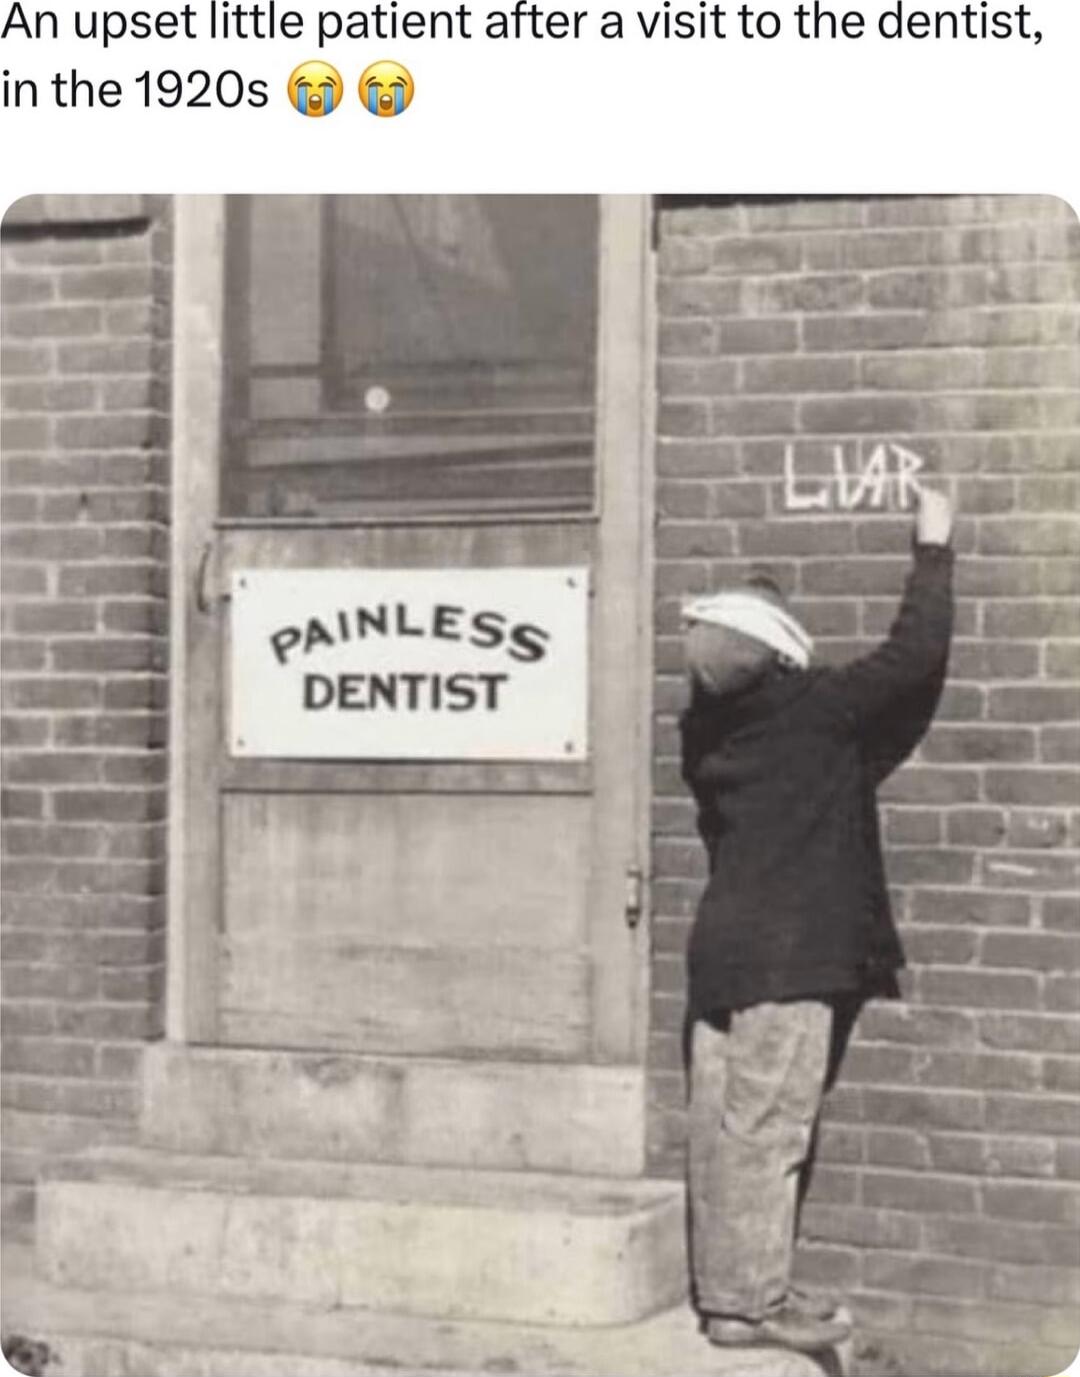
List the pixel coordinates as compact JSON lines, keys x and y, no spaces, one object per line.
{"x":329,"y":1215}
{"x":447,"y":1242}
{"x":94,"y":1333}
{"x":349,"y":1107}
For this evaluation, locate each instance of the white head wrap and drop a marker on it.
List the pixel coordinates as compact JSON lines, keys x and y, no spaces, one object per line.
{"x":756,"y":617}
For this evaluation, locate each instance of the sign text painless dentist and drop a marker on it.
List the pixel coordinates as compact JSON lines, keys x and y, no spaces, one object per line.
{"x":410,"y":664}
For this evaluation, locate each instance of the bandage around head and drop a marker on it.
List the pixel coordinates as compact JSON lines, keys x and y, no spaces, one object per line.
{"x":756,"y":617}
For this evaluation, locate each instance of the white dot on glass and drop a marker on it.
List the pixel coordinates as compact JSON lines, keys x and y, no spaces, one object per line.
{"x":376,"y":398}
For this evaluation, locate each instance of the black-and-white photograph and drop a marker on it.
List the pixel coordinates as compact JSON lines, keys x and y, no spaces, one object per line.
{"x":541,"y":785}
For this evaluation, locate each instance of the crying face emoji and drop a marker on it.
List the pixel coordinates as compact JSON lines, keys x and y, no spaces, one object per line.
{"x":316,"y":88}
{"x":386,"y":88}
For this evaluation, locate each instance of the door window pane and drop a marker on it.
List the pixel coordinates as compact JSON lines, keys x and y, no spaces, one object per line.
{"x":410,"y":353}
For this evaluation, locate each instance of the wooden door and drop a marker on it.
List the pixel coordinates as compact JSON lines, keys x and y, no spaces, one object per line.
{"x":431,"y":907}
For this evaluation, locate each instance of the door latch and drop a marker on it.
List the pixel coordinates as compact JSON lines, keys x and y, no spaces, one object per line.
{"x":204,"y":599}
{"x":635,"y":895}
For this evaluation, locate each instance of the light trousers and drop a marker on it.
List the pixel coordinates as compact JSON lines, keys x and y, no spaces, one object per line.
{"x":756,"y":1081}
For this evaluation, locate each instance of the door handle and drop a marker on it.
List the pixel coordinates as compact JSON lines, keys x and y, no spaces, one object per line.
{"x":204,"y":599}
{"x":635,"y":895}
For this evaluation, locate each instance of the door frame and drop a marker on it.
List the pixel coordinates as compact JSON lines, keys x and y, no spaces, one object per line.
{"x":624,"y":496}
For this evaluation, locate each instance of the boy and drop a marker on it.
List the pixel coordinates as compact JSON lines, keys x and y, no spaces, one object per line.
{"x":784,"y":761}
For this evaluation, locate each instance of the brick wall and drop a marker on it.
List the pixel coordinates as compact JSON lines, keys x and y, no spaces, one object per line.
{"x":947,"y":1199}
{"x":84,"y":325}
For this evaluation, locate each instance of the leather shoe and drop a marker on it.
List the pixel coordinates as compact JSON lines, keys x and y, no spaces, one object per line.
{"x":786,"y":1326}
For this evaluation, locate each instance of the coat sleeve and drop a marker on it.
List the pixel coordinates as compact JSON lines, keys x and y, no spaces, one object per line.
{"x":699,"y":731}
{"x":892,"y":693}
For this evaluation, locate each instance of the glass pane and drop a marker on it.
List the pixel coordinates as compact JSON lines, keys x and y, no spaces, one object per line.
{"x":417,"y":353}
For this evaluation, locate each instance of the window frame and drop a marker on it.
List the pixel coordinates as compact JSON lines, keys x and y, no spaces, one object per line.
{"x":237,"y":424}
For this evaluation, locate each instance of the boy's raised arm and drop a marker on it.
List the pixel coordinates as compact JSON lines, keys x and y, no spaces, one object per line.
{"x":910,"y":663}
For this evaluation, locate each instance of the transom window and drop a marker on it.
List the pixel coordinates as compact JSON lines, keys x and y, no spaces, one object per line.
{"x":410,"y":354}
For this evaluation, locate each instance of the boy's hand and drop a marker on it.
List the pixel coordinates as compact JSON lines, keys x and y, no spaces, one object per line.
{"x":934,"y":519}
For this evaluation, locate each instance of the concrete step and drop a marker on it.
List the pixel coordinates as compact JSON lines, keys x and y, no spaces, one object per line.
{"x":102,"y":1334}
{"x":524,"y":1247}
{"x":343,"y":1107}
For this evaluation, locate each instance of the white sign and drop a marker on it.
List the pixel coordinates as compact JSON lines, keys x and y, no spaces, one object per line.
{"x":410,"y":664}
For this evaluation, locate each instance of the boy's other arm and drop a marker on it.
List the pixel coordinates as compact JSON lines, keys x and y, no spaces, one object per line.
{"x":909,"y":665}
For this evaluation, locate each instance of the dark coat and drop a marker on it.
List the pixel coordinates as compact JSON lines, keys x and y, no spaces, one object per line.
{"x":785,"y":777}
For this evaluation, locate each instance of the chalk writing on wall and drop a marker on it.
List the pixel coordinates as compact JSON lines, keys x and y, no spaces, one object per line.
{"x":886,"y":482}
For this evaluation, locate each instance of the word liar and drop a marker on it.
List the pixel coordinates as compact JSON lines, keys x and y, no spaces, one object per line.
{"x":887,"y":481}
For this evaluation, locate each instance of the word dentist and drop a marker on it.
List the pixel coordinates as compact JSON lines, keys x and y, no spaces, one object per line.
{"x":412,"y":690}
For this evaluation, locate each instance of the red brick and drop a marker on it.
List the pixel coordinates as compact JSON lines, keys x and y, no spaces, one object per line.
{"x":58,"y":542}
{"x":798,"y":373}
{"x":1043,"y":1285}
{"x":790,"y":214}
{"x":110,"y":730}
{"x":104,"y":579}
{"x":977,"y":1320}
{"x":897,"y":1147}
{"x":696,"y":458}
{"x":1062,"y":661}
{"x":699,"y":296}
{"x":103,"y":431}
{"x":1034,"y":787}
{"x":1042,"y":951}
{"x":1029,"y":1032}
{"x":52,"y":321}
{"x":1031,"y":870}
{"x":910,"y":1272}
{"x":22,"y":803}
{"x":852,"y":1224}
{"x":1034,"y":1114}
{"x":987,"y":1239}
{"x":1030,"y":828}
{"x":695,"y":540}
{"x":975,"y":826}
{"x":869,"y":576}
{"x":912,"y":865}
{"x":109,"y":1020}
{"x":46,"y":1056}
{"x":921,"y":784}
{"x":940,"y":946}
{"x":909,"y":826}
{"x":21,"y":656}
{"x":908,"y":1023}
{"x":756,"y":254}
{"x":1061,"y":913}
{"x":751,"y":416}
{"x":859,"y":414}
{"x":830,"y":1267}
{"x":1061,"y":994}
{"x":106,"y":804}
{"x":1028,"y":536}
{"x":1059,"y":744}
{"x":920,"y":1192}
{"x":972,"y":744}
{"x":995,"y":1071}
{"x":979,"y":989}
{"x":984,"y":660}
{"x":1062,"y":1074}
{"x":761,"y":336}
{"x":51,"y":767}
{"x":928,"y":1108}
{"x":693,"y":377}
{"x":105,"y":653}
{"x":1035,"y":703}
{"x":50,"y":839}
